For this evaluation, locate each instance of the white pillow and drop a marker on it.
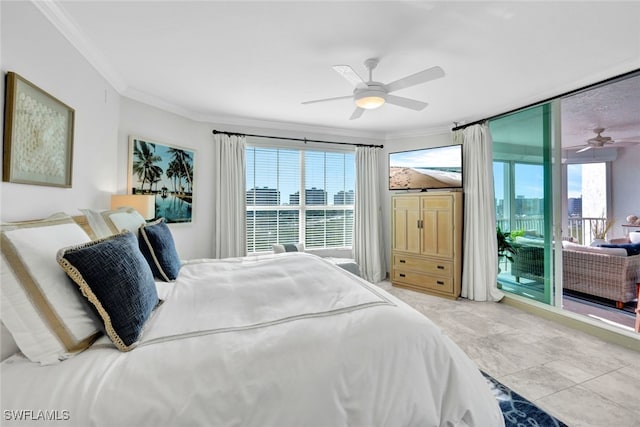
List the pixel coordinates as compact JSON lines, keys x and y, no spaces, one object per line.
{"x":110,"y":222}
{"x":96,"y":223}
{"x":46,"y":315}
{"x":570,"y":245}
{"x":594,"y":249}
{"x":289,"y":247}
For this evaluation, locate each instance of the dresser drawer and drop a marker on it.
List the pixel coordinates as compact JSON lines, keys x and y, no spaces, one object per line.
{"x":425,"y":281}
{"x":431,"y":266}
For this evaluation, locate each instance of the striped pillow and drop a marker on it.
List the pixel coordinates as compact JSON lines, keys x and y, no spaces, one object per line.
{"x":288,"y":247}
{"x":158,"y":247}
{"x":46,"y":315}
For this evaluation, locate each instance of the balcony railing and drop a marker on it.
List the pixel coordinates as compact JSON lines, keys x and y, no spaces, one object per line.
{"x":580,"y":228}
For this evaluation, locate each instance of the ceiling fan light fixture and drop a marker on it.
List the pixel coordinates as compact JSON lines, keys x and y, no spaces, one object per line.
{"x":369,"y":95}
{"x":370,"y":99}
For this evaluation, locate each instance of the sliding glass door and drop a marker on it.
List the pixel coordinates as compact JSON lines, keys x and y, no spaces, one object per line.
{"x":557,"y":186}
{"x":524,"y":200}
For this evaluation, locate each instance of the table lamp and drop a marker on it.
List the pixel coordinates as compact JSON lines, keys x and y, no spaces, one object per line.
{"x":145,"y":204}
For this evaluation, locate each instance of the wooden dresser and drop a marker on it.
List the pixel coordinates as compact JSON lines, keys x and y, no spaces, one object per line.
{"x":426,"y":236}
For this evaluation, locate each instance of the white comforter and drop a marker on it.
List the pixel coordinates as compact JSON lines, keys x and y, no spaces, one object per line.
{"x":281,"y":340}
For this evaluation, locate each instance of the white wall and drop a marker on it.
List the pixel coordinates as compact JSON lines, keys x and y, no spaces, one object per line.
{"x":35,"y":50}
{"x":625,"y":179}
{"x":401,"y":144}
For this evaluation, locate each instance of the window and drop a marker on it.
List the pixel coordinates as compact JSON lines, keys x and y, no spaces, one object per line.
{"x":299,"y":196}
{"x":521,"y":209}
{"x":586,"y":199}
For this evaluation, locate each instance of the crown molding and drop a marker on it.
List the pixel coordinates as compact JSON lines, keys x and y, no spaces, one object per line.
{"x":417,"y":133}
{"x":60,"y":19}
{"x":244,"y":122}
{"x":64,"y":23}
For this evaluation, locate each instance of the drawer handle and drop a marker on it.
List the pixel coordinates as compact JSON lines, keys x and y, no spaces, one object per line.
{"x":402,"y":261}
{"x":402,"y":275}
{"x":441,"y":267}
{"x":440,"y":282}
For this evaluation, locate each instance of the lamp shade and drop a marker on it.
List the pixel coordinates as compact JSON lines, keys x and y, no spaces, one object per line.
{"x":145,"y":204}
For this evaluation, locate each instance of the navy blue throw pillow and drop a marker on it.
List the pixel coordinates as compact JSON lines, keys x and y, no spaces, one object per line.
{"x":631,"y":248}
{"x":116,"y":279}
{"x":158,"y":247}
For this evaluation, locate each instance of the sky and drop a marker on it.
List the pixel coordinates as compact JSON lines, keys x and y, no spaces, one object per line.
{"x":529,"y":181}
{"x":574,"y":181}
{"x":448,"y":156}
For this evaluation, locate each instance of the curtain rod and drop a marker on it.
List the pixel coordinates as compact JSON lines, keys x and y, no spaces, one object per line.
{"x":305,"y":140}
{"x":562,"y":95}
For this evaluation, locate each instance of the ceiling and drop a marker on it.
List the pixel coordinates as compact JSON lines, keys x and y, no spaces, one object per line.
{"x":253,"y":63}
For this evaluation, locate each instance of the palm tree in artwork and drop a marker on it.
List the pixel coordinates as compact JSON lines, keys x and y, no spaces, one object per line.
{"x":173,"y":173}
{"x":185,"y":163}
{"x":188,"y":174}
{"x":144,"y":159}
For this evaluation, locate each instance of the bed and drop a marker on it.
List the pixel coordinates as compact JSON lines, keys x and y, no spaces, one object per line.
{"x":270,"y":340}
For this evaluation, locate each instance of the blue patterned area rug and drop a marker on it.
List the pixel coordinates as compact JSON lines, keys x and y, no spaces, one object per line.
{"x":518,"y":411}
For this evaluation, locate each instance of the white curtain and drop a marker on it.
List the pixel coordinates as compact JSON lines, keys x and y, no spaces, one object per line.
{"x":230,"y":191}
{"x":480,"y":259}
{"x":367,"y":235}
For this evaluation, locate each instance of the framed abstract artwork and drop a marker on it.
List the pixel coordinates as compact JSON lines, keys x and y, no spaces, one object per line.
{"x":38,"y":136}
{"x":165,"y":171}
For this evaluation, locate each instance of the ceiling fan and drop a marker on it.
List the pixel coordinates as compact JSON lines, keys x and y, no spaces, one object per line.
{"x":371,"y":94}
{"x":600,"y":141}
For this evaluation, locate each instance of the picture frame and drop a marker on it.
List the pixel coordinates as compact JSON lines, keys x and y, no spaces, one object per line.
{"x":38,"y":136}
{"x":165,"y":171}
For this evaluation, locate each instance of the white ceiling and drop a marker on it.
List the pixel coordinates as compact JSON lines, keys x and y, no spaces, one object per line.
{"x":253,"y":63}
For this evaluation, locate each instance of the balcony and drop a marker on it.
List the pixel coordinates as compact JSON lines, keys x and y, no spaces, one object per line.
{"x":531,"y":283}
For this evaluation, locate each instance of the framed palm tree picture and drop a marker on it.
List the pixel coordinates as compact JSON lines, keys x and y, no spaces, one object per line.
{"x":165,"y":171}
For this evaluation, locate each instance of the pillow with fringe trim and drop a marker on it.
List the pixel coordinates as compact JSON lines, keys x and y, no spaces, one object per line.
{"x":114,"y":276}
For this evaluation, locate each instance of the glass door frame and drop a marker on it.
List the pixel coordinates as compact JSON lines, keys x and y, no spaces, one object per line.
{"x":541,"y":127}
{"x":558,"y":176}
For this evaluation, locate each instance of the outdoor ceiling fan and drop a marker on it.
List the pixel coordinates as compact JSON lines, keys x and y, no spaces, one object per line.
{"x":600,"y":141}
{"x":371,"y":94}
{"x":597,"y":141}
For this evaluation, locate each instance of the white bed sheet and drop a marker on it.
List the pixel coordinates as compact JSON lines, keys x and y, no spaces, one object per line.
{"x":277,"y":340}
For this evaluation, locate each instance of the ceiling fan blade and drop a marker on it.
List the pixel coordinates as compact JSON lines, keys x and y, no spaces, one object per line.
{"x":349,"y":75}
{"x":633,"y":139}
{"x":406,"y":102}
{"x":416,"y":79}
{"x":584,"y":149}
{"x":328,"y":99}
{"x":626,"y":143}
{"x":356,"y":113}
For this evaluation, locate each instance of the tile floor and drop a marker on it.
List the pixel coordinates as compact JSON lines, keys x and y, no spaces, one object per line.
{"x":582,"y":380}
